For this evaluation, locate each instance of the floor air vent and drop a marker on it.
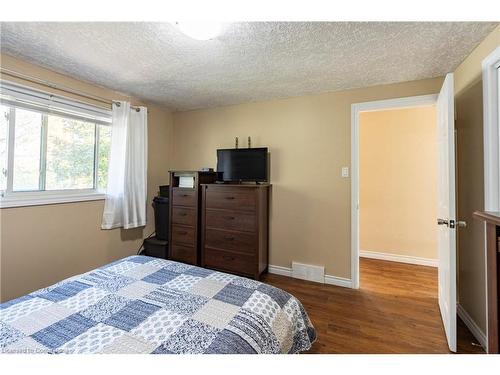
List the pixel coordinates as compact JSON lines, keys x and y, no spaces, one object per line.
{"x":308,"y":272}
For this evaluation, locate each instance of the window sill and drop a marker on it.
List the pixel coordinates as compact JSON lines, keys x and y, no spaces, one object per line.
{"x":37,"y":199}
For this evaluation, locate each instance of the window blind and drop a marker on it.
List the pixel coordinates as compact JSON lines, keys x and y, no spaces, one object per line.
{"x":36,"y":100}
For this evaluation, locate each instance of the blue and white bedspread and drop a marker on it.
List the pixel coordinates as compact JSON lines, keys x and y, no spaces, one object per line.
{"x":141,"y":304}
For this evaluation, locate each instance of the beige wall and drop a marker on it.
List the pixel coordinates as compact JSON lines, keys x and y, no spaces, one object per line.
{"x":309,"y":140}
{"x":470,"y":178}
{"x":44,"y":244}
{"x":398,"y":182}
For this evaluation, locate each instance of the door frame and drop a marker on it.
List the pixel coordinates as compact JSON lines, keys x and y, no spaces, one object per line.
{"x":356,"y":109}
{"x":491,"y":141}
{"x":491,"y":131}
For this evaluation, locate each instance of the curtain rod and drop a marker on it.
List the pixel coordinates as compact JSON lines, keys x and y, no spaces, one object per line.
{"x":118,"y":104}
{"x":69,"y":90}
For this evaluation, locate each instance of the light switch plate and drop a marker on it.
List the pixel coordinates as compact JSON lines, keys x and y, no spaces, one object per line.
{"x":345,"y":171}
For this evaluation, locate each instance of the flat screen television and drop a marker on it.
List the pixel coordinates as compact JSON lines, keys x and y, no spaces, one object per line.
{"x":242,"y":164}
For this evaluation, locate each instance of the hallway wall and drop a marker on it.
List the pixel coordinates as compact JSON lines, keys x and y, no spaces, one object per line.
{"x":398,"y":182}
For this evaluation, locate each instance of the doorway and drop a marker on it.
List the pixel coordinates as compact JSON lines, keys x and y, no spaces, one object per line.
{"x":398,"y":235}
{"x":358,"y":111}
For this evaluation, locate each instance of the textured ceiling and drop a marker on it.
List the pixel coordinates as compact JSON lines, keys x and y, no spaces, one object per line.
{"x":248,"y":61}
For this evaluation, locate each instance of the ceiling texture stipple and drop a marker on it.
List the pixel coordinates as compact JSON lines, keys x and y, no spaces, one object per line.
{"x":247,"y":61}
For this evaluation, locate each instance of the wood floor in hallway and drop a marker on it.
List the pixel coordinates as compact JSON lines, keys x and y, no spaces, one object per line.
{"x":394,"y":311}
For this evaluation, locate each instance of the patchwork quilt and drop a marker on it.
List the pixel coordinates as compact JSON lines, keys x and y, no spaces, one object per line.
{"x":141,"y":304}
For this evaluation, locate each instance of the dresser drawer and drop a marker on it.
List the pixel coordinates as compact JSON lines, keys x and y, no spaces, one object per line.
{"x":186,"y":254}
{"x":236,"y":220}
{"x":185,"y":216}
{"x":183,"y":197}
{"x":237,"y":241}
{"x":183,"y":235}
{"x":229,"y":261}
{"x":231,"y":199}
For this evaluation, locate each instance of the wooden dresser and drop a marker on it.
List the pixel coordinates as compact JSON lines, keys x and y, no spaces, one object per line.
{"x":235,"y":228}
{"x":492,"y":220}
{"x":184,"y":233}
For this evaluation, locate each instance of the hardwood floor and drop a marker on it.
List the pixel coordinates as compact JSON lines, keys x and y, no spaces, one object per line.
{"x":394,"y":311}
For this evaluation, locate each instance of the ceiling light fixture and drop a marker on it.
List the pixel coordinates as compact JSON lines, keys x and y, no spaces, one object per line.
{"x":200,"y":30}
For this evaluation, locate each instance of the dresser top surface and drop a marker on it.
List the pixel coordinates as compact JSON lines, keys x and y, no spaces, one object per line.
{"x":242,"y":186}
{"x":183,"y":173}
{"x":488,"y":216}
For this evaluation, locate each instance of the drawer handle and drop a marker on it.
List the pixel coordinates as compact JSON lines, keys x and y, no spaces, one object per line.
{"x":182,"y":214}
{"x":227,"y":257}
{"x":183,"y":232}
{"x":229,"y":238}
{"x":230,"y":198}
{"x":185,"y":195}
{"x":230,"y":218}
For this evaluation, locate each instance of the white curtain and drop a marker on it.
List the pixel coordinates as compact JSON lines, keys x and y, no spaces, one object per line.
{"x":126,"y":192}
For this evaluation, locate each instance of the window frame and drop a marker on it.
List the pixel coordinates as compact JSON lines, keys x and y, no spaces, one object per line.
{"x":47,"y":104}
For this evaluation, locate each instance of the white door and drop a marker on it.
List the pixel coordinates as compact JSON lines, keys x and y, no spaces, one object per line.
{"x":446,"y":211}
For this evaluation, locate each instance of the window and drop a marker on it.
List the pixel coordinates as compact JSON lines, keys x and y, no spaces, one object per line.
{"x":52,"y":149}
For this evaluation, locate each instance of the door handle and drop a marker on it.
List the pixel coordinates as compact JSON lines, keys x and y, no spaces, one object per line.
{"x":452,"y":223}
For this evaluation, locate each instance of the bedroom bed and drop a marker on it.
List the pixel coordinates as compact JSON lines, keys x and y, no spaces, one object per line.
{"x":141,"y":304}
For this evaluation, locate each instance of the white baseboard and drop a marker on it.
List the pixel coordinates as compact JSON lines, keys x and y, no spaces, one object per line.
{"x":329,"y":279}
{"x":399,"y":258}
{"x":338,"y":281}
{"x":278,"y":270}
{"x":473,"y":327}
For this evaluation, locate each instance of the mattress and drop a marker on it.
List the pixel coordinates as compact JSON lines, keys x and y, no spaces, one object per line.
{"x":141,"y":304}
